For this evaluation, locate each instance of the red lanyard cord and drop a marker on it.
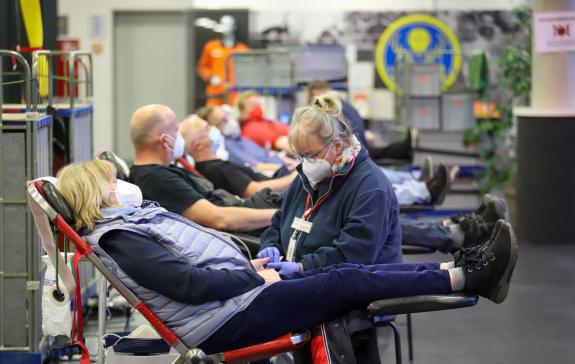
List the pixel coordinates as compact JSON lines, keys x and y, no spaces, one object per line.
{"x":308,"y":211}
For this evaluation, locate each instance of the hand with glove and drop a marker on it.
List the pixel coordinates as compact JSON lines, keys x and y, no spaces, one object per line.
{"x":286,"y":268}
{"x":272,"y":252}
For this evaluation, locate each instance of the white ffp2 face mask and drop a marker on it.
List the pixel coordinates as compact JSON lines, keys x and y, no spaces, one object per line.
{"x":316,"y":171}
{"x":127,"y":194}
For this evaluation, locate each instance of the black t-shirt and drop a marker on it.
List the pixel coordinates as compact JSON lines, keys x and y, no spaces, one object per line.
{"x":174,"y":188}
{"x":229,"y":176}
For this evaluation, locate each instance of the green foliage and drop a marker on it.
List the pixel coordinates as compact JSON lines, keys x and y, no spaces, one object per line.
{"x":493,"y":136}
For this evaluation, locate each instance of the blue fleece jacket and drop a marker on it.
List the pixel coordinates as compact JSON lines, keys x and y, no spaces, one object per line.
{"x":357,"y":223}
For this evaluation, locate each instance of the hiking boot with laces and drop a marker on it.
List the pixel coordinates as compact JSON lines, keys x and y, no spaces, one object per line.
{"x":476,"y":230}
{"x":459,"y":253}
{"x":478,"y":227}
{"x":488,"y":268}
{"x":492,"y":208}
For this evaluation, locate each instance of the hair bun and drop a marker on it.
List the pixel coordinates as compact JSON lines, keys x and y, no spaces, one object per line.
{"x":329,"y":103}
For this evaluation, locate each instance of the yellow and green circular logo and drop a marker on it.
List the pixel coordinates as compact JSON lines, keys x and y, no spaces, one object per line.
{"x":418,"y":38}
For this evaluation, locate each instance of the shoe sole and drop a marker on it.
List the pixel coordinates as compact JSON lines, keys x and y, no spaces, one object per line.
{"x":502,"y":289}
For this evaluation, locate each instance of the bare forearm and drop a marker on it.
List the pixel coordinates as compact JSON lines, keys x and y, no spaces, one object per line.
{"x":207,"y":214}
{"x":276,"y":184}
{"x":245,"y":219}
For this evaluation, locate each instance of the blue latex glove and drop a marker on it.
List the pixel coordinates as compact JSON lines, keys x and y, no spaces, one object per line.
{"x":285,"y":268}
{"x":272,"y":252}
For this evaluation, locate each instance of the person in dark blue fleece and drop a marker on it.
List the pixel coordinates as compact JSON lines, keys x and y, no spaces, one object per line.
{"x":342,"y":208}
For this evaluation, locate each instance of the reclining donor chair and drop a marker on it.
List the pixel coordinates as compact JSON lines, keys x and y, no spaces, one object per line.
{"x":49,"y":208}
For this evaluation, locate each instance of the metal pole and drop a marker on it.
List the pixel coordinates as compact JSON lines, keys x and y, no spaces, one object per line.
{"x":102,"y":288}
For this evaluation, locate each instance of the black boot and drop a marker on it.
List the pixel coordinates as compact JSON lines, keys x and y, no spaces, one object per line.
{"x":478,"y":227}
{"x":488,"y":268}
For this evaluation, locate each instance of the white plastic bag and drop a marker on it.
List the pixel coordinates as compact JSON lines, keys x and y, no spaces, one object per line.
{"x":56,"y":314}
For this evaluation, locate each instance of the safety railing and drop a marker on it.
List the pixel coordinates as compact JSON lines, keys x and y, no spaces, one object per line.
{"x":77,"y":70}
{"x":17,"y":59}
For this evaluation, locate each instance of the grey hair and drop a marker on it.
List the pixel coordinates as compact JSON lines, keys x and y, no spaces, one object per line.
{"x":323,"y":119}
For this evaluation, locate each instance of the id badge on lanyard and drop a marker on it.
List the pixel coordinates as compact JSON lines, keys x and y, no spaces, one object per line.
{"x":300,"y":225}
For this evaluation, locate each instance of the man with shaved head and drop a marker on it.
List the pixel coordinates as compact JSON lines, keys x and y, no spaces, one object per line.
{"x":154,"y":133}
{"x":242,"y":181}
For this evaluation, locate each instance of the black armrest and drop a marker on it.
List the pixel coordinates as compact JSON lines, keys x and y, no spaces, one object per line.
{"x":424,"y":303}
{"x":416,"y":249}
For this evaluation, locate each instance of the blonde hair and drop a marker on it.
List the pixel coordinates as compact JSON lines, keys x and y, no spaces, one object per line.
{"x":322,"y":119}
{"x":243,"y":97}
{"x":86,"y":187}
{"x":205,"y":112}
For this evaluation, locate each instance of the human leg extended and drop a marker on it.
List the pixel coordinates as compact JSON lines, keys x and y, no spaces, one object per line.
{"x":430,"y":234}
{"x":298,"y":304}
{"x":397,"y":176}
{"x":412,"y":192}
{"x":394,"y":267}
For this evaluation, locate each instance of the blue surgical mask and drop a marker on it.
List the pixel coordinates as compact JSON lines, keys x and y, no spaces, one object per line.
{"x":216,"y":137}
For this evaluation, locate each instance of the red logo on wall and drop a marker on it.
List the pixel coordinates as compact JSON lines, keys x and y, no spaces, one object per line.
{"x":561,"y":31}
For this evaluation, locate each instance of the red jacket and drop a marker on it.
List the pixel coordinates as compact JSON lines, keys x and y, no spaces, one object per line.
{"x":263,"y":132}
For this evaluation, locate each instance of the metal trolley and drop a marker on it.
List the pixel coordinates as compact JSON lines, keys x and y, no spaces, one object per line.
{"x":74,"y":106}
{"x":25,"y":154}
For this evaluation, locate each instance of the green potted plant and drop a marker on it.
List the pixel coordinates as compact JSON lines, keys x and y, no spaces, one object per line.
{"x":495,"y":138}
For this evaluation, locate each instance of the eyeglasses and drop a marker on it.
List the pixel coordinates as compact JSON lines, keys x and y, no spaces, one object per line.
{"x":312,"y":158}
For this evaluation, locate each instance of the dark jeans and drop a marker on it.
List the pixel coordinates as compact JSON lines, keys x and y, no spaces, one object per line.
{"x":307,"y":299}
{"x":429,"y":234}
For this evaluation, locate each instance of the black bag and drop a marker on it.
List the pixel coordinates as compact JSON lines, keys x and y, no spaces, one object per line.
{"x":348,"y":339}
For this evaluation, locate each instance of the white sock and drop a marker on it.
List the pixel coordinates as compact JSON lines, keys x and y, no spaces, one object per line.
{"x":447,"y":265}
{"x":458,"y":235}
{"x":457,"y":279}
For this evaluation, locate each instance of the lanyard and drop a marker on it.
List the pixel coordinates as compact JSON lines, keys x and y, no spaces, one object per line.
{"x":308,"y":211}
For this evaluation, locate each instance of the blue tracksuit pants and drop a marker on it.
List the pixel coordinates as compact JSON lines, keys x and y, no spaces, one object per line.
{"x":304,"y":300}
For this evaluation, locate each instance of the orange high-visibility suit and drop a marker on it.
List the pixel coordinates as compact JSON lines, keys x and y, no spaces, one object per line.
{"x":213,"y":63}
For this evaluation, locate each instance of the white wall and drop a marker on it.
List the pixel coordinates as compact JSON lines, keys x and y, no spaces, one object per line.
{"x":79,"y":13}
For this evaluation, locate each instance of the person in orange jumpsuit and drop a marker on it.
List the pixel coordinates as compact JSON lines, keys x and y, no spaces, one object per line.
{"x":212,"y":64}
